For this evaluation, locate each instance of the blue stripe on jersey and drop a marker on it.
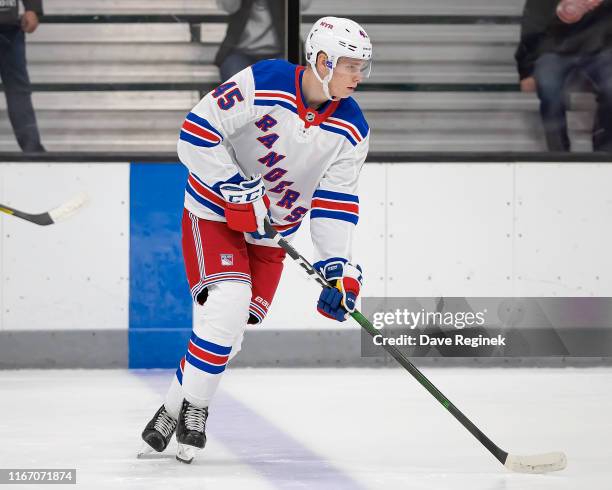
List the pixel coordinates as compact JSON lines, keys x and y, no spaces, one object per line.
{"x":340,"y":131}
{"x":204,"y":123}
{"x":348,"y":110}
{"x":215,"y":188}
{"x":290,"y":231}
{"x":336,"y":196}
{"x":189,"y":138}
{"x":204,"y":366}
{"x":339,"y":215}
{"x":203,"y":201}
{"x":220,"y":350}
{"x":234,"y":179}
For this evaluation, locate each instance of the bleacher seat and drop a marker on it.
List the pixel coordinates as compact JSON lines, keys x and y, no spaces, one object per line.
{"x":130,"y":7}
{"x":350,"y":8}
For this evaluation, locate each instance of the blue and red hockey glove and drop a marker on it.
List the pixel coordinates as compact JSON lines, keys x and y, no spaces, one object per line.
{"x":339,"y":301}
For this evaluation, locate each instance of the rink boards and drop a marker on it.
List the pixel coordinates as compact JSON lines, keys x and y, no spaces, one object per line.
{"x":107,"y":287}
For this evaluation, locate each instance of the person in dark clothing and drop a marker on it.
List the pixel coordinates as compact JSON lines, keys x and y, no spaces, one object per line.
{"x":558,"y":39}
{"x":13,"y":70}
{"x":255,"y":32}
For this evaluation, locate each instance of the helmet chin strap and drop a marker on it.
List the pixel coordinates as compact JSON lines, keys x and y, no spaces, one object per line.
{"x":325,"y":82}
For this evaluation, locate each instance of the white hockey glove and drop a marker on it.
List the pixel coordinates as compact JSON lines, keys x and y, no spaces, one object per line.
{"x":246,"y":205}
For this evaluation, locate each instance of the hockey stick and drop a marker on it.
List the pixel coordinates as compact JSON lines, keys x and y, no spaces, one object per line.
{"x":539,"y":463}
{"x":59,"y":213}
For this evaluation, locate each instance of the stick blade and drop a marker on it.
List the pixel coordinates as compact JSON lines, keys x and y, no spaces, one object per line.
{"x":537,"y":463}
{"x":68,"y":208}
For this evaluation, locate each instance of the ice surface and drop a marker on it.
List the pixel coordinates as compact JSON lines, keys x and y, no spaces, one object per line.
{"x":315,"y":429}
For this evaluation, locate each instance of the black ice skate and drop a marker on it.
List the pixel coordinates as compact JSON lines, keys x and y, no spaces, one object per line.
{"x":158,"y":432}
{"x":190,"y":432}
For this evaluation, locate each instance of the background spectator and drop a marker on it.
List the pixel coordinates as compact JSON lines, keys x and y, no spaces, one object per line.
{"x":559,"y":38}
{"x":255,"y":32}
{"x":13,"y":69}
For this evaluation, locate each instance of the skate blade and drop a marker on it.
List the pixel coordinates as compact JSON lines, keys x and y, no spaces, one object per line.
{"x":185,"y":453}
{"x":145,"y":451}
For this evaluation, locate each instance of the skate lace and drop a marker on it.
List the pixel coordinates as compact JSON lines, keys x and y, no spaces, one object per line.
{"x":195,"y":418}
{"x":165,"y":424}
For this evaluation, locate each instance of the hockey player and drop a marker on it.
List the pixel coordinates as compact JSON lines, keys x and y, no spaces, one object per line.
{"x":276,"y":140}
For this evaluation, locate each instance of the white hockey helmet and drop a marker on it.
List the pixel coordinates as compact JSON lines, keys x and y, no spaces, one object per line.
{"x":337,"y":37}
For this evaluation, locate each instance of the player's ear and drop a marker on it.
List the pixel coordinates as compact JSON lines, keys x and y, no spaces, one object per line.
{"x":321,"y":59}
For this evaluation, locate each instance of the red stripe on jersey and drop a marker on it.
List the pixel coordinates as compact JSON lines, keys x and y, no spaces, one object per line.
{"x":336,"y":206}
{"x":285,"y":227}
{"x":272,"y":95}
{"x":207,"y":356}
{"x":344,"y":125}
{"x":204,"y":191}
{"x":201,"y":132}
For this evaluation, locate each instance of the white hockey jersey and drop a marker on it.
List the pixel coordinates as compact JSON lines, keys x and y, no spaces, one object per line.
{"x":257,"y":123}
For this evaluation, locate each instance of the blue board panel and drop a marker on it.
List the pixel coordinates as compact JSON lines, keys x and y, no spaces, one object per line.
{"x":157,"y":348}
{"x":160,"y":302}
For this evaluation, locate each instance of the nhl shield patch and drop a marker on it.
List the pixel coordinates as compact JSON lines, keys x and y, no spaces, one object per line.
{"x":227,"y":259}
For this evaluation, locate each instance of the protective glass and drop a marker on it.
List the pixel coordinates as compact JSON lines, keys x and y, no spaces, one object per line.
{"x":353,"y":66}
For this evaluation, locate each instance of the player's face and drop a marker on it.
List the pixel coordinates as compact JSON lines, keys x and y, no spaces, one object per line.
{"x":348,"y":74}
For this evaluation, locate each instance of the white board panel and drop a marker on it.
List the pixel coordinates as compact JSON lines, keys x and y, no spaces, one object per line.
{"x":369,"y":247}
{"x":294,"y":305}
{"x":449,"y":230}
{"x":74,"y":274}
{"x":564,"y":230}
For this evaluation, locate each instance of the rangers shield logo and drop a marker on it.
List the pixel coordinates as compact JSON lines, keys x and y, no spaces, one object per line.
{"x":227,"y":259}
